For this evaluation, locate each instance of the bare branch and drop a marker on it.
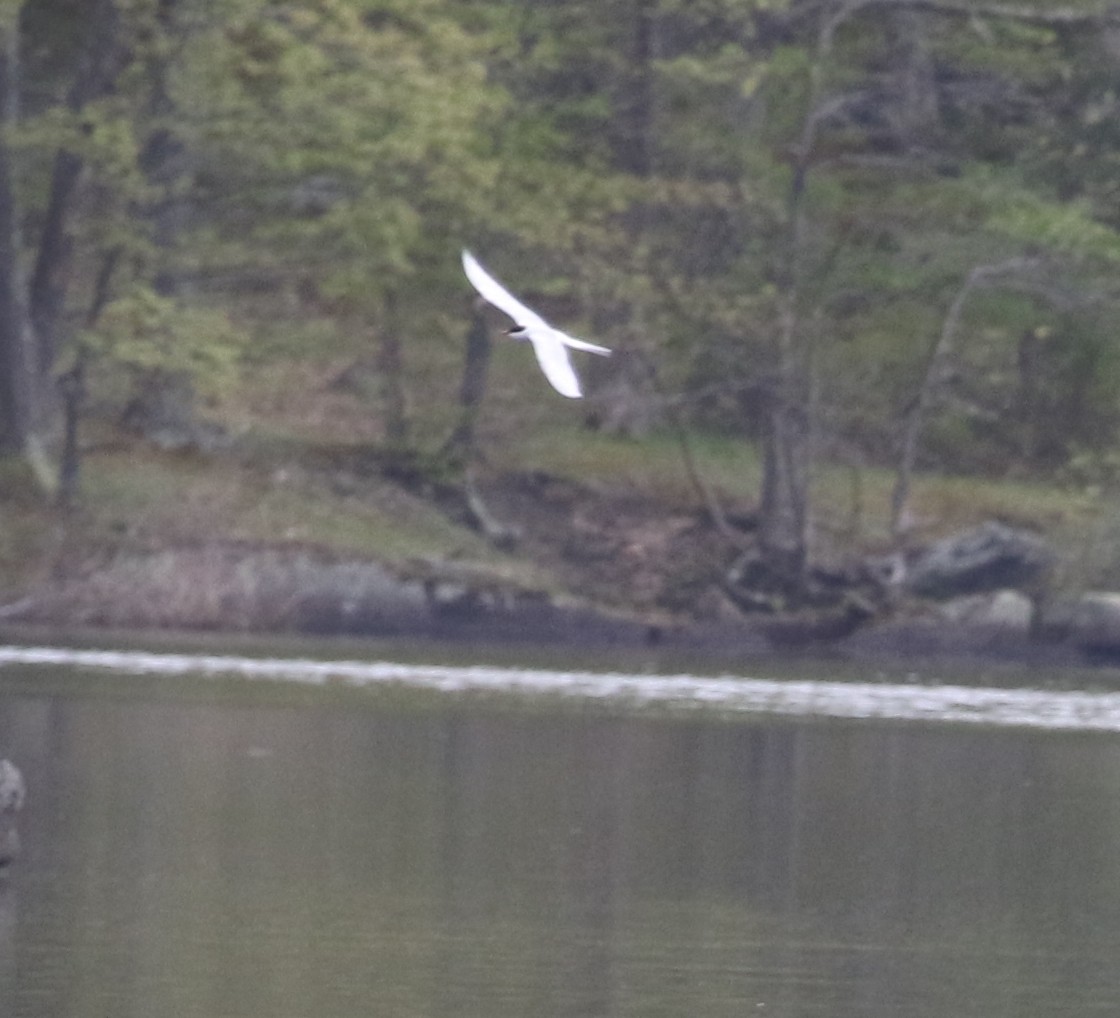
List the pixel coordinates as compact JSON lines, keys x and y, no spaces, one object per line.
{"x":981,"y":275}
{"x":707,"y":496}
{"x":1037,"y":15}
{"x":1070,"y":16}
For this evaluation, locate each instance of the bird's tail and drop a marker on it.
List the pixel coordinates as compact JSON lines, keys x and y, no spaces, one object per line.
{"x":581,"y":344}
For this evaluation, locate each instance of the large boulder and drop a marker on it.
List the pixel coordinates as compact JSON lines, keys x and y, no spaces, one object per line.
{"x":990,"y":557}
{"x":1007,"y":609}
{"x":12,"y":793}
{"x":1090,"y":621}
{"x":12,"y":788}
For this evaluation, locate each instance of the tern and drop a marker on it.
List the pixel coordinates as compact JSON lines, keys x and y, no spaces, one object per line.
{"x":549,"y":344}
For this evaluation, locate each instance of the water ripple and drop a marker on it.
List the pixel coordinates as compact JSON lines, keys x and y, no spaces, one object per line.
{"x":1033,"y":708}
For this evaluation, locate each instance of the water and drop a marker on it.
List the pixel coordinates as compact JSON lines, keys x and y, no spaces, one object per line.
{"x":216,"y":847}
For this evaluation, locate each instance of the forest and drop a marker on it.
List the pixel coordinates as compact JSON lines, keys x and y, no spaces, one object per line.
{"x":836,"y":245}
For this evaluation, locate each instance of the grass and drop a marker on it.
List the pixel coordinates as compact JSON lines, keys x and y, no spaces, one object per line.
{"x":858,"y":504}
{"x":189,"y":499}
{"x":847,"y":502}
{"x":653,"y":464}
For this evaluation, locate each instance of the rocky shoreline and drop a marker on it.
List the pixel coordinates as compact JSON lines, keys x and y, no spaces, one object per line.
{"x":226,"y":587}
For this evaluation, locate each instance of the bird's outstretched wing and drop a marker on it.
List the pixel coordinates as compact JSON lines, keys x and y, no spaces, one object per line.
{"x":553,"y":359}
{"x":548,"y":343}
{"x":493,"y":291}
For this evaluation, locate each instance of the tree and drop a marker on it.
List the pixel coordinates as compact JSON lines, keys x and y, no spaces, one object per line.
{"x":885,"y":184}
{"x":99,"y":62}
{"x":340,"y":152}
{"x":19,"y":397}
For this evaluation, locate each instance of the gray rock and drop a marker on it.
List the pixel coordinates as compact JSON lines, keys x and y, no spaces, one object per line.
{"x":1006,"y":608}
{"x":1090,"y":621}
{"x":12,"y":793}
{"x":9,"y":846}
{"x":12,"y":789}
{"x":989,"y":557}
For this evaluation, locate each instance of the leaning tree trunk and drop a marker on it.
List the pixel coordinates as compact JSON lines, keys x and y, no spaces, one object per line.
{"x":932,"y":376}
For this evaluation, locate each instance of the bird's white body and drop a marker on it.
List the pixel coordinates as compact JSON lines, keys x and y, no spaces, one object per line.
{"x":549,"y":344}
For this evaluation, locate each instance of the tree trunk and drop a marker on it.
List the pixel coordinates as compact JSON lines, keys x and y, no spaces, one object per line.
{"x":476,"y":367}
{"x":783,"y":534}
{"x":72,"y":388}
{"x":915,"y":111}
{"x":391,"y":368}
{"x":165,"y":159}
{"x":18,"y":389}
{"x":784,"y":503}
{"x":164,"y":407}
{"x":50,"y":278}
{"x":634,"y":115}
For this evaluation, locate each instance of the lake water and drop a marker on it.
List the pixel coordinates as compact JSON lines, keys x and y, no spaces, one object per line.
{"x":407,"y":840}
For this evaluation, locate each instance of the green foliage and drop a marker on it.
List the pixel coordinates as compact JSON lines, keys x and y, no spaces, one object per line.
{"x":148,"y":334}
{"x":674,"y":176}
{"x":1025,"y":216}
{"x":334,"y":136}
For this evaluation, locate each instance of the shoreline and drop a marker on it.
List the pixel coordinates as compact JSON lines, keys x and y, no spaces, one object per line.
{"x":1051,"y":708}
{"x":234,"y":591}
{"x":907,"y":646}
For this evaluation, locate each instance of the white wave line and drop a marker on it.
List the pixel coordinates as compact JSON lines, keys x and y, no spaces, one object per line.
{"x":1017,"y":707}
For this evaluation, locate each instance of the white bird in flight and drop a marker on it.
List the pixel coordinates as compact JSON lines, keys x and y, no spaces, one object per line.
{"x":549,"y":344}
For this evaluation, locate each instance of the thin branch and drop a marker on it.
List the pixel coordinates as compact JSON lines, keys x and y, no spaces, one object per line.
{"x":981,"y":275}
{"x":1070,"y":16}
{"x":707,"y":496}
{"x":1040,"y":15}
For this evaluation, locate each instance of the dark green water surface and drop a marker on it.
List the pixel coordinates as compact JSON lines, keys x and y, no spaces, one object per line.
{"x":233,"y":852}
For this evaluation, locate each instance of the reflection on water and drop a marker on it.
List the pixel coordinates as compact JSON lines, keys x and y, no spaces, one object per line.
{"x":1038,"y":708}
{"x":247,"y":857}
